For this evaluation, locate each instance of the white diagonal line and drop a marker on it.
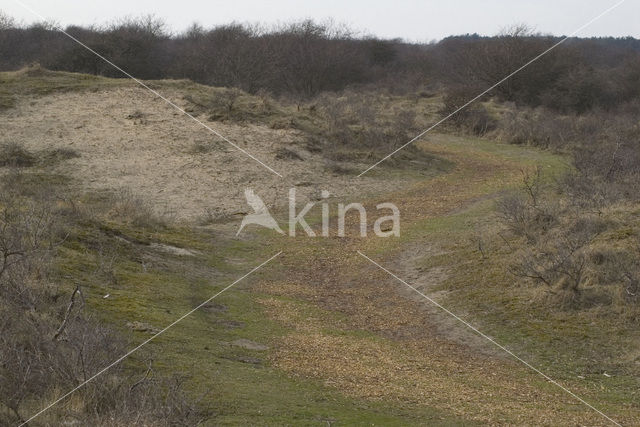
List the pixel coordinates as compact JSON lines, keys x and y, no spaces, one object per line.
{"x":155,"y":92}
{"x":545,"y":376}
{"x":493,"y":87}
{"x":130,"y":352}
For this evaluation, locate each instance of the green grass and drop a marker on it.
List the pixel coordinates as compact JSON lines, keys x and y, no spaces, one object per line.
{"x":237,"y":392}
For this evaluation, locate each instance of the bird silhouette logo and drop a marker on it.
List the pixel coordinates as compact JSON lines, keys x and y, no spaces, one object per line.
{"x":261,"y":215}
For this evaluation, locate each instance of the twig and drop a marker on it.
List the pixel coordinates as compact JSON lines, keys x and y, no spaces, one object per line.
{"x":68,"y":313}
{"x":143,"y":379}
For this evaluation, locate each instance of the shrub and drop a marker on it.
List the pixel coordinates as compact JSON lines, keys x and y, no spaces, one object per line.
{"x":363,"y":122}
{"x":58,"y":155}
{"x":15,"y":155}
{"x":49,"y":344}
{"x":474,"y":118}
{"x":526,"y":213}
{"x":201,"y":147}
{"x":284,"y":153}
{"x":132,"y":209}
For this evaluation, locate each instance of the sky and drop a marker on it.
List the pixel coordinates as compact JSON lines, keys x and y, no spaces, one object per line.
{"x":412,"y":20}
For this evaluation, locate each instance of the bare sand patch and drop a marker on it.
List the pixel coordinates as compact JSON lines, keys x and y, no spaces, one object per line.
{"x":129,"y":139}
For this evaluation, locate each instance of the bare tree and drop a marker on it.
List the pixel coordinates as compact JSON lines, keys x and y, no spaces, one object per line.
{"x":6,"y":21}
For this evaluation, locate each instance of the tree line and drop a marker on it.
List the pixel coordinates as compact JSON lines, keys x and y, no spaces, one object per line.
{"x":304,"y":59}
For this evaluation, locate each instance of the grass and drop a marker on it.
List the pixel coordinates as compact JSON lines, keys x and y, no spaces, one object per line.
{"x":238,"y":392}
{"x":580,"y":348}
{"x":155,"y":288}
{"x":37,"y":81}
{"x":574,"y":347}
{"x":577,"y":348}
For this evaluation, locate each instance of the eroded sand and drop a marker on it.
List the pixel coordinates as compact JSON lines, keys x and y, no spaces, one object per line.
{"x":154,"y":157}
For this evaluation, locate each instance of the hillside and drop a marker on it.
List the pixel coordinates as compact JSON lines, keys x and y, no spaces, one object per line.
{"x":149,"y":203}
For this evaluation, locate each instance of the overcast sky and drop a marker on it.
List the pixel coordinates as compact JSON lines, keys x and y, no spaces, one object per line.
{"x":409,"y":19}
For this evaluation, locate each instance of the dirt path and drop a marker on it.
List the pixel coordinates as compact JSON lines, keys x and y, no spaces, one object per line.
{"x":359,"y":330}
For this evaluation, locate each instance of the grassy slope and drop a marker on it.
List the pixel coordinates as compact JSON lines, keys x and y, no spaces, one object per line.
{"x":590,"y":351}
{"x":36,"y":81}
{"x":577,"y":347}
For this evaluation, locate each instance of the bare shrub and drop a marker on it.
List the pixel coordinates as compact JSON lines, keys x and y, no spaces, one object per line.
{"x":284,"y":153}
{"x":228,"y":99}
{"x":6,"y":21}
{"x":402,"y":126}
{"x":515,"y":213}
{"x":212,"y":215}
{"x":527,"y":213}
{"x":357,"y":125}
{"x":618,"y":268}
{"x":57,"y":155}
{"x":559,"y":246}
{"x":201,"y":147}
{"x":537,"y":127}
{"x":339,"y":168}
{"x":556,"y":249}
{"x":149,"y":400}
{"x":27,"y":238}
{"x":558,"y":263}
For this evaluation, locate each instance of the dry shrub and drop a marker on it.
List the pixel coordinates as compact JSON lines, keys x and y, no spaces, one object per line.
{"x":561,"y":246}
{"x":284,"y":153}
{"x":474,"y":118}
{"x":528,"y":213}
{"x":558,"y":263}
{"x":357,"y":124}
{"x":537,"y":127}
{"x":13,"y":154}
{"x":57,"y":155}
{"x":201,"y":147}
{"x":16,"y":156}
{"x":339,"y":168}
{"x":605,"y":146}
{"x":132,"y":209}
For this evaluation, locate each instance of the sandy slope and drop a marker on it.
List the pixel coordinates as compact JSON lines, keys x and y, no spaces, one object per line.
{"x":153,"y":156}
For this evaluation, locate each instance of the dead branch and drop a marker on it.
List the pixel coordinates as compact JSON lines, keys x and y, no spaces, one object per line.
{"x":72,"y":302}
